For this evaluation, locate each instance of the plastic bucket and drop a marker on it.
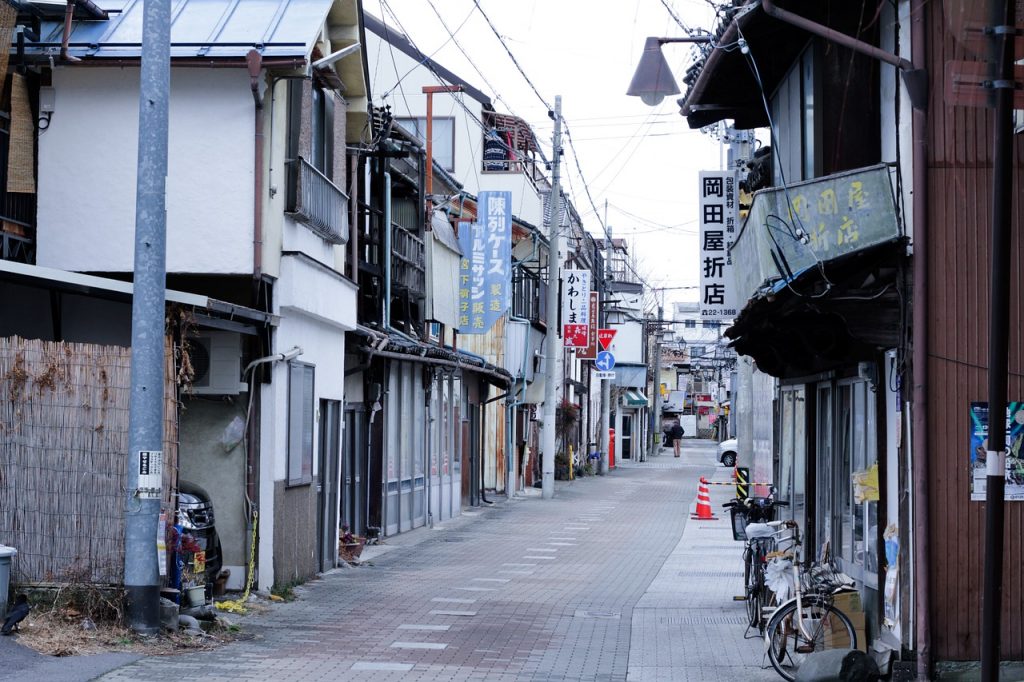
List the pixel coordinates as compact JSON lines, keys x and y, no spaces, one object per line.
{"x":6,"y":554}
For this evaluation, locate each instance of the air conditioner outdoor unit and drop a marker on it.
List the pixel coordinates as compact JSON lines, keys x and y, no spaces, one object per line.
{"x":217,"y":362}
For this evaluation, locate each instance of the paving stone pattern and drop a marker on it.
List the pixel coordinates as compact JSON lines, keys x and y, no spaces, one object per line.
{"x":623,"y":586}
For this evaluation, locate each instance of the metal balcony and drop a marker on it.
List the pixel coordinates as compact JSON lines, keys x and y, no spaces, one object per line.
{"x":317,"y":202}
{"x":408,"y":261}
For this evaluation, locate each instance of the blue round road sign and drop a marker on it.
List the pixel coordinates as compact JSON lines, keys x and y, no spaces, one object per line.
{"x":605,"y":361}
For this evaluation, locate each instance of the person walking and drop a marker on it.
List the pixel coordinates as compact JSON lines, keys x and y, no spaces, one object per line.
{"x":676,"y":433}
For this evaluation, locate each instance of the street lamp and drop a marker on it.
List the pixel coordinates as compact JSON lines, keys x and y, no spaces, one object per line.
{"x":653,"y":80}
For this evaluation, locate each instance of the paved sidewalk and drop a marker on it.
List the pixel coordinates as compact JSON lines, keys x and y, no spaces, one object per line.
{"x":610,"y":580}
{"x":687,"y":626}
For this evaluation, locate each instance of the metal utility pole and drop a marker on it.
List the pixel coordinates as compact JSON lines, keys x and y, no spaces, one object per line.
{"x":606,"y":384}
{"x":146,"y":407}
{"x":1002,"y":17}
{"x":552,"y":350}
{"x":656,"y":410}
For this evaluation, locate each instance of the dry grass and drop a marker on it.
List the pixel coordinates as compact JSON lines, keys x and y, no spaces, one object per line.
{"x":60,"y":633}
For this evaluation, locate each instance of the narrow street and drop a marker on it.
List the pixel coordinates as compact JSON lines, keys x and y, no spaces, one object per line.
{"x":608,"y":581}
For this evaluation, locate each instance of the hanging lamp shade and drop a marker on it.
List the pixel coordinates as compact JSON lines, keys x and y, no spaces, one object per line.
{"x":653,"y":80}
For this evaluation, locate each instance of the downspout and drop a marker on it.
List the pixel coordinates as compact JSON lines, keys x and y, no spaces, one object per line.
{"x":69,"y":13}
{"x":919,"y":360}
{"x":254,"y":64}
{"x":387,"y":249}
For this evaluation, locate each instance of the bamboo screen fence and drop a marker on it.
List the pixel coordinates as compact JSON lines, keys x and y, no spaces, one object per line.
{"x":63,"y":457}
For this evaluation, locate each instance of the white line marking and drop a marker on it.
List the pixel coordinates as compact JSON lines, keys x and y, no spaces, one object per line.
{"x":430,"y":628}
{"x":453,"y":600}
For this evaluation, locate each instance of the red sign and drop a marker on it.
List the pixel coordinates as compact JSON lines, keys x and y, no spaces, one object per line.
{"x":605,"y":336}
{"x":590,"y":352}
{"x":574,"y":335}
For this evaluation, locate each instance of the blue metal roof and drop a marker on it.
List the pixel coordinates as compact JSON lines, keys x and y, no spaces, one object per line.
{"x":199,"y":28}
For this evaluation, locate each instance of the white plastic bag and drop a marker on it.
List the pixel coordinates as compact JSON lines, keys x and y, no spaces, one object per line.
{"x":778,"y":576}
{"x":233,"y":434}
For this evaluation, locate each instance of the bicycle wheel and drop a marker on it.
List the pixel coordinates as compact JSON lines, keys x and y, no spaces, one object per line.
{"x":824,"y":627}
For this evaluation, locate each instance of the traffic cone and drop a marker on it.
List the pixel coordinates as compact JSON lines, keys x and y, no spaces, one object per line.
{"x":704,"y":512}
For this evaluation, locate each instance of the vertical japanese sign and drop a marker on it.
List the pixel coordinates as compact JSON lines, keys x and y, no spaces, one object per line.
{"x":718,"y":218}
{"x":485,"y":272}
{"x":590,"y":351}
{"x":575,"y":307}
{"x":1014,"y":490}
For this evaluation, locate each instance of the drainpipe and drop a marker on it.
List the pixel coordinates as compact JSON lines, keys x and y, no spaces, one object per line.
{"x":919,"y":360}
{"x":515,"y":402}
{"x":69,"y":13}
{"x":254,"y":63}
{"x":834,"y":36}
{"x":387,"y":250}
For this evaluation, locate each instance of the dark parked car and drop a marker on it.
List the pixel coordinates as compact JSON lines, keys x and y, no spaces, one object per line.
{"x":195,"y":509}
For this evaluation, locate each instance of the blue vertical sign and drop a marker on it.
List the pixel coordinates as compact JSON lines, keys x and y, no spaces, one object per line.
{"x":485,"y":272}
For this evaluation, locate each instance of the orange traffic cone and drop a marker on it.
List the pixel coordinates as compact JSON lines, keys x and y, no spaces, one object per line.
{"x":704,"y":512}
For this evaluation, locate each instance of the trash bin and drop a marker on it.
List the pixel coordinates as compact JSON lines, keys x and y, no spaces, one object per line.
{"x":6,"y":553}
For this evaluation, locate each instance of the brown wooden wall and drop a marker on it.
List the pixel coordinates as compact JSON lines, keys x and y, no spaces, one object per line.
{"x":959,"y":201}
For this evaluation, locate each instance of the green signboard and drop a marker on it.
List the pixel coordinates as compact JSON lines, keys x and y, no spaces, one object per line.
{"x":792,"y":229}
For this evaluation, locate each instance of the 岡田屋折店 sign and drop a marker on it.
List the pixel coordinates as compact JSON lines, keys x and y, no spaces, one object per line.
{"x":718,"y":216}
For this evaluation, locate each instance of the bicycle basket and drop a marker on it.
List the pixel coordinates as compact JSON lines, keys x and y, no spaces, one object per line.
{"x":739,"y":523}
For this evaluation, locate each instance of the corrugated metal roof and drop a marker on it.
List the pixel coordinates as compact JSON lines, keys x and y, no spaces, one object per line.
{"x":199,"y":28}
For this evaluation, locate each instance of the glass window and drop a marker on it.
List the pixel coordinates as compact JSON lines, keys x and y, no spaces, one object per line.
{"x":443,"y":134}
{"x":300,"y":423}
{"x":798,"y":503}
{"x":690,"y":324}
{"x":785,"y":477}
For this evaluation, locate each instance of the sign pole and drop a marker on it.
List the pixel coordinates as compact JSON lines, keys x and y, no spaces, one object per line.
{"x":146,"y":403}
{"x":552,"y":349}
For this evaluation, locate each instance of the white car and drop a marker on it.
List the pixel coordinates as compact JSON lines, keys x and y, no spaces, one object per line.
{"x":727,"y":452}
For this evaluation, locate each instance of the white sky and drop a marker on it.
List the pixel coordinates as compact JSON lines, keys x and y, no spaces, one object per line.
{"x":643,"y":161}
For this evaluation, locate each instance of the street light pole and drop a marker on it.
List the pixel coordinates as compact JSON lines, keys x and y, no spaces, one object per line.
{"x":552,"y":350}
{"x":146,"y":406}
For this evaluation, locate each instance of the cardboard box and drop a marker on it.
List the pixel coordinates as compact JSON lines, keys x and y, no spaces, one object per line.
{"x":849,"y":603}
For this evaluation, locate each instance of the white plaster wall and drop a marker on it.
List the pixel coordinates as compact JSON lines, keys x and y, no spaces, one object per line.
{"x":627,"y":346}
{"x":87,"y":171}
{"x":323,"y":345}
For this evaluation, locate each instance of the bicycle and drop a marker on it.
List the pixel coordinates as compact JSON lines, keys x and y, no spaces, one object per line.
{"x":808,"y":622}
{"x":759,"y":532}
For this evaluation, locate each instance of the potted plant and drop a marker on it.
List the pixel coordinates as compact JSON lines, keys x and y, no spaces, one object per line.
{"x":350,"y":546}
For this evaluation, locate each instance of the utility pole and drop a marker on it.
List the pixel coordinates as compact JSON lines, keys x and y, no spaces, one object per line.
{"x":552,"y":351}
{"x":656,"y":410}
{"x":1002,"y":19}
{"x":606,"y":384}
{"x":146,"y":407}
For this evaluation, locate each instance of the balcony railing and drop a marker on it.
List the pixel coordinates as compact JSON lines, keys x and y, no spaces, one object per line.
{"x":529,"y":298}
{"x":408,"y":261}
{"x":18,"y":249}
{"x":318,"y":203}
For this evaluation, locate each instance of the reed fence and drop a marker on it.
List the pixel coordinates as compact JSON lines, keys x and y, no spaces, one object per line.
{"x":63,"y":458}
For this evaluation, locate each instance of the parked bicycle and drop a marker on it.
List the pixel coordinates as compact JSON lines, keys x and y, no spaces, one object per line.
{"x":751,"y":519}
{"x":808,"y":622}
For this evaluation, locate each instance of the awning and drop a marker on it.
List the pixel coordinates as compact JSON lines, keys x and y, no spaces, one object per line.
{"x":634,"y":398}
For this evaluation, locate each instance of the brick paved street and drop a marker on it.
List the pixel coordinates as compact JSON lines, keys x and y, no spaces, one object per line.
{"x":608,"y":581}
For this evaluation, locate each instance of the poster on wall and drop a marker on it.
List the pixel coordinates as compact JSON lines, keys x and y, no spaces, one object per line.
{"x":1014,"y":456}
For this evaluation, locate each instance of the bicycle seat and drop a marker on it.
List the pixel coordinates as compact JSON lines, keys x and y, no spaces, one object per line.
{"x":759,"y":530}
